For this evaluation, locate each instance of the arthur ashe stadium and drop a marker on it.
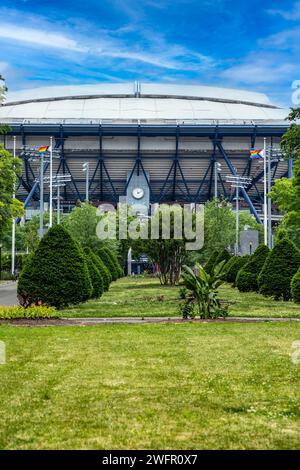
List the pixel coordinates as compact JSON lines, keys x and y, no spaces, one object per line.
{"x":151,"y":142}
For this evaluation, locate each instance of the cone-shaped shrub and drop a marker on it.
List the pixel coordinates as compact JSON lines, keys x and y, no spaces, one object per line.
{"x":223,"y":255}
{"x":295,"y":287}
{"x":278,"y":270}
{"x":115,"y":260}
{"x":209,"y":265}
{"x":109,"y":263}
{"x":56,"y":274}
{"x":246,"y":279}
{"x":105,"y":274}
{"x":95,"y":276}
{"x":233,"y":266}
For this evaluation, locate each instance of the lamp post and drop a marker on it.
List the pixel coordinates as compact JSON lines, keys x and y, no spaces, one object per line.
{"x":217,"y":168}
{"x":58,"y":181}
{"x":50,"y":186}
{"x":13,"y":229}
{"x":85,"y":169}
{"x":237,"y":182}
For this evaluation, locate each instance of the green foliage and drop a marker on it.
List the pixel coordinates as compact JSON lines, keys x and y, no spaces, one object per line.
{"x":233,"y":266}
{"x":56,"y":273}
{"x":114,"y":258}
{"x":246,"y":279}
{"x":82,"y":223}
{"x":223,"y":255}
{"x":295,"y":287}
{"x":34,"y":312}
{"x":95,"y":276}
{"x":104,"y":272}
{"x":109,"y":263}
{"x":9,"y":206}
{"x":6,"y":261}
{"x":209,"y":265}
{"x":280,"y":266}
{"x":204,"y":294}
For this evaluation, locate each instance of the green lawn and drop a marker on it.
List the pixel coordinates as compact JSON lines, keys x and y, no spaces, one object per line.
{"x":138,"y":297}
{"x":171,"y":386}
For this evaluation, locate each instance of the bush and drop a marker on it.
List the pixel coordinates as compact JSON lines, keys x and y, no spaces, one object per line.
{"x":295,"y":287}
{"x":95,"y":276}
{"x":108,"y":261}
{"x":247,"y":276}
{"x":233,"y":266}
{"x":7,"y":313}
{"x":278,"y":270}
{"x":56,"y":273}
{"x":105,"y":274}
{"x":114,"y":257}
{"x":223,"y":255}
{"x":209,"y":265}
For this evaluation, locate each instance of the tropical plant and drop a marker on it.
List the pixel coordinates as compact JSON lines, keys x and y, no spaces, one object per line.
{"x":204,"y":293}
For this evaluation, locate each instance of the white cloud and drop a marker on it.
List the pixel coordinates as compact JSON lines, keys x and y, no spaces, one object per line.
{"x":290,"y":15}
{"x":39,"y":37}
{"x":289,"y":38}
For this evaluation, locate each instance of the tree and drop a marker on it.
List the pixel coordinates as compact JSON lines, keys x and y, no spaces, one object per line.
{"x":108,"y":261}
{"x":286,"y":192}
{"x":295,"y":287}
{"x":114,"y":257}
{"x":246,"y":279}
{"x":278,"y":270}
{"x":56,"y":273}
{"x":82,"y":223}
{"x":96,"y":278}
{"x":9,"y":168}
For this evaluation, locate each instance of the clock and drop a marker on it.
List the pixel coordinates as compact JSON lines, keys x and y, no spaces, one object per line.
{"x":137,"y":193}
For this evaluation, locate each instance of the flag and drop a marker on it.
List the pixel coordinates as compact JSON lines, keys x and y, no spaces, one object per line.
{"x":255,"y":154}
{"x":43,"y":149}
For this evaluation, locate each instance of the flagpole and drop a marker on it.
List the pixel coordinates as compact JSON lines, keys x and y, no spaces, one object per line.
{"x":265,"y":194}
{"x":13,"y":231}
{"x":51,"y":186}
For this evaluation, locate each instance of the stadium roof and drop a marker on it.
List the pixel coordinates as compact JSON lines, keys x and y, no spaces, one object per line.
{"x":128,"y":102}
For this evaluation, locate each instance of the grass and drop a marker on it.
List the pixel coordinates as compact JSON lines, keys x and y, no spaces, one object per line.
{"x":145,"y":297}
{"x":172,"y":386}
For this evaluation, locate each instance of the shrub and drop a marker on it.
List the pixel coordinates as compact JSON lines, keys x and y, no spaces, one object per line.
{"x":247,"y":276}
{"x":224,"y":255}
{"x":108,"y":261}
{"x":280,"y":266}
{"x":56,"y":273}
{"x":295,"y":287}
{"x":233,"y":266}
{"x":114,"y":257}
{"x":35,"y":311}
{"x":209,"y":265}
{"x":105,"y":274}
{"x":95,"y":276}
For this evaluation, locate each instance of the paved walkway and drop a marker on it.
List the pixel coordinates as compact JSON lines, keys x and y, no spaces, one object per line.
{"x":8,"y":293}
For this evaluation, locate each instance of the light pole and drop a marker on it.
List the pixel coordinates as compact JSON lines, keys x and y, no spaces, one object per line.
{"x":85,"y":169}
{"x":41,"y":196}
{"x":58,"y":181}
{"x":265,"y":193}
{"x":237,"y":182}
{"x":50,"y":187}
{"x":13,"y":229}
{"x":217,"y":168}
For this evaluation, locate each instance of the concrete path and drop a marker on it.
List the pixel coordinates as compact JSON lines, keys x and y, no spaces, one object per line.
{"x":8,"y":293}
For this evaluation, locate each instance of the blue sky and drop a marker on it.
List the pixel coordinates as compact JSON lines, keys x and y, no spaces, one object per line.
{"x":251,"y":44}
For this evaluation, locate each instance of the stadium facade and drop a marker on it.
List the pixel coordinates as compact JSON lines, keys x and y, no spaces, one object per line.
{"x":152,"y":142}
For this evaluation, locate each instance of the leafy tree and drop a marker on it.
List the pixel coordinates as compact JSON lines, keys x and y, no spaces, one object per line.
{"x":247,"y":276}
{"x":82,"y":223}
{"x":295,"y":287}
{"x":9,"y":207}
{"x":56,"y":273}
{"x":278,"y":270}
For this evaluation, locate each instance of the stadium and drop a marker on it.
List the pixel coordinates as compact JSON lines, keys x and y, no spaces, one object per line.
{"x":152,"y":142}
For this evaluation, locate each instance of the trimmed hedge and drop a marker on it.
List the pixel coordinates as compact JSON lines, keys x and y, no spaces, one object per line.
{"x":223,"y":255}
{"x":295,"y":287}
{"x":35,"y":312}
{"x":56,"y":274}
{"x":114,"y":257}
{"x":109,"y":263}
{"x":105,"y":274}
{"x":95,"y":276}
{"x":247,"y":276}
{"x":280,"y":266}
{"x":233,"y":266}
